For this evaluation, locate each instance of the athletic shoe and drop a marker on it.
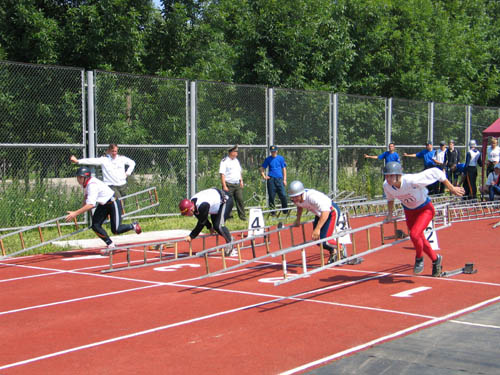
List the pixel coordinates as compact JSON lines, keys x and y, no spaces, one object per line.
{"x":137,"y":227}
{"x":228,"y":250}
{"x":332,"y":258}
{"x":436,"y":266}
{"x":108,"y":249}
{"x":419,"y":265}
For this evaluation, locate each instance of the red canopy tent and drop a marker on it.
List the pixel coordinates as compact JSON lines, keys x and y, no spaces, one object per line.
{"x":491,"y":131}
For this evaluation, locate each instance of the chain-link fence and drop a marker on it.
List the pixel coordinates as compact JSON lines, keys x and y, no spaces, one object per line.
{"x":178,"y":131}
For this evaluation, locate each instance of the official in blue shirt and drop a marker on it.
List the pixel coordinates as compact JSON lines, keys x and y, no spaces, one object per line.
{"x":428,"y":154}
{"x":276,"y":177}
{"x":387,"y":156}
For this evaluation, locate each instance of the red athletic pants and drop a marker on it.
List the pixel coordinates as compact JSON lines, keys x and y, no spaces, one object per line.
{"x":417,"y":220}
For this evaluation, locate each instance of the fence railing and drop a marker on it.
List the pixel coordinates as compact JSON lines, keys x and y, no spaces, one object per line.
{"x":177,"y":131}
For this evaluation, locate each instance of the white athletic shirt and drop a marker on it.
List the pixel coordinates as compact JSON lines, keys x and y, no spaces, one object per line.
{"x":231,"y":169}
{"x":97,"y":192}
{"x":315,"y":201}
{"x":114,"y":171}
{"x":413,"y":191}
{"x":493,"y":154}
{"x":440,"y":155}
{"x":210,"y":196}
{"x":474,"y":157}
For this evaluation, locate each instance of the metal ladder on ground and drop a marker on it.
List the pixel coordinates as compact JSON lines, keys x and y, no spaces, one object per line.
{"x":131,"y":204}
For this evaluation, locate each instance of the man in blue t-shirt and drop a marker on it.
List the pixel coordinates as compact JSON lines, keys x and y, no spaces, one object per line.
{"x":387,"y":156}
{"x":276,"y":177}
{"x":428,"y":154}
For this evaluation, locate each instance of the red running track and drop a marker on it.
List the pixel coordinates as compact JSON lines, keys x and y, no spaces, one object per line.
{"x":60,"y":315}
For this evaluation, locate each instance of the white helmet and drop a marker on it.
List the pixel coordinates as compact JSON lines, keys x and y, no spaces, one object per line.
{"x":295,"y":188}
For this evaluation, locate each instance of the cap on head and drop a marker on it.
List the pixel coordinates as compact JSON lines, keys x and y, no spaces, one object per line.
{"x":452,"y":141}
{"x":442,"y":143}
{"x":295,"y":188}
{"x":428,"y":143}
{"x":472,"y":143}
{"x":234,"y":148}
{"x":393,"y":167}
{"x":83,"y":171}
{"x":273,"y":148}
{"x":185,"y":207}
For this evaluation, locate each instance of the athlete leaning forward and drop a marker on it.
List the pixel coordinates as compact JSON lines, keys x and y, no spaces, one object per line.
{"x":326,"y":214}
{"x":411,"y":190}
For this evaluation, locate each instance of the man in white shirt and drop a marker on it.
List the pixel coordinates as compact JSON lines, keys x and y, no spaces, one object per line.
{"x":115,"y":169}
{"x":492,"y":155}
{"x":232,"y":180}
{"x":472,"y":161}
{"x":99,"y":196}
{"x":439,"y":160}
{"x":411,"y":190}
{"x":327,"y":213}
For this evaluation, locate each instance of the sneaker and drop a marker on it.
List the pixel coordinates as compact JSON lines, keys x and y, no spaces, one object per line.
{"x":228,"y":250}
{"x":108,"y":249}
{"x":332,"y":258}
{"x":436,"y":266}
{"x":137,"y":227}
{"x":419,"y":265}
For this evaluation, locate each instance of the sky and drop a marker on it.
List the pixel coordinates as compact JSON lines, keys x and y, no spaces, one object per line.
{"x":157,"y":3}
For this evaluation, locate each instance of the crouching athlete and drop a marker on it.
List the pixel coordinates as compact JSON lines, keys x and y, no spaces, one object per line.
{"x":214,"y":202}
{"x":327,"y":213}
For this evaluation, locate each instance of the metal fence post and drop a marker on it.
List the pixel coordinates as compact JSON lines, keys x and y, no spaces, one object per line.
{"x":334,"y":141}
{"x":192,"y":139}
{"x":91,"y":115}
{"x":388,"y":121}
{"x":430,"y":122}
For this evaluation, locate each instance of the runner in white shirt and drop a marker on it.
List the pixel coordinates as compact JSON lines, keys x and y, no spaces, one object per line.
{"x":326,"y":212}
{"x":97,"y":194}
{"x":411,"y":190}
{"x":115,"y":169}
{"x":214,"y":202}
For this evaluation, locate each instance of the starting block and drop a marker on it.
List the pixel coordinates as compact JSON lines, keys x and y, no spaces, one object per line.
{"x":467,"y":269}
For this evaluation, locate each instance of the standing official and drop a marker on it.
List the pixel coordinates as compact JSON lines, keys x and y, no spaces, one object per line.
{"x":99,"y":196}
{"x":115,"y":169}
{"x":276,"y":177}
{"x":451,"y":159}
{"x":327,"y":213}
{"x":472,"y":161}
{"x":232,"y":179}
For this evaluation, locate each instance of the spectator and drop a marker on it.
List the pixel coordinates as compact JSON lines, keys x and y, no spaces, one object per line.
{"x":115,"y":169}
{"x":428,"y":155}
{"x":276,"y":177}
{"x":439,"y":160}
{"x":492,"y":186}
{"x":418,"y":209}
{"x":232,"y":180}
{"x":493,"y":155}
{"x":326,"y":212}
{"x":214,"y":202}
{"x":472,"y":161}
{"x":99,"y":196}
{"x":451,"y":159}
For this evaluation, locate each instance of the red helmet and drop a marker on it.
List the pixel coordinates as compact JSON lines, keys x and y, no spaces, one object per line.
{"x":185,"y":206}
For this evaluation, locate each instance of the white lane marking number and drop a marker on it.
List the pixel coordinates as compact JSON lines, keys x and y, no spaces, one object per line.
{"x":408,"y":293}
{"x":175,"y":267}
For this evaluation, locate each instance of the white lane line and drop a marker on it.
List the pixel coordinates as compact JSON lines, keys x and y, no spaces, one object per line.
{"x":475,"y":324}
{"x":76,"y":299}
{"x":408,"y":293}
{"x":388,"y":337}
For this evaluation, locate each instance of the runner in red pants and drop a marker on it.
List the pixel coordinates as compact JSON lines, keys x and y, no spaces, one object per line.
{"x":411,"y":190}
